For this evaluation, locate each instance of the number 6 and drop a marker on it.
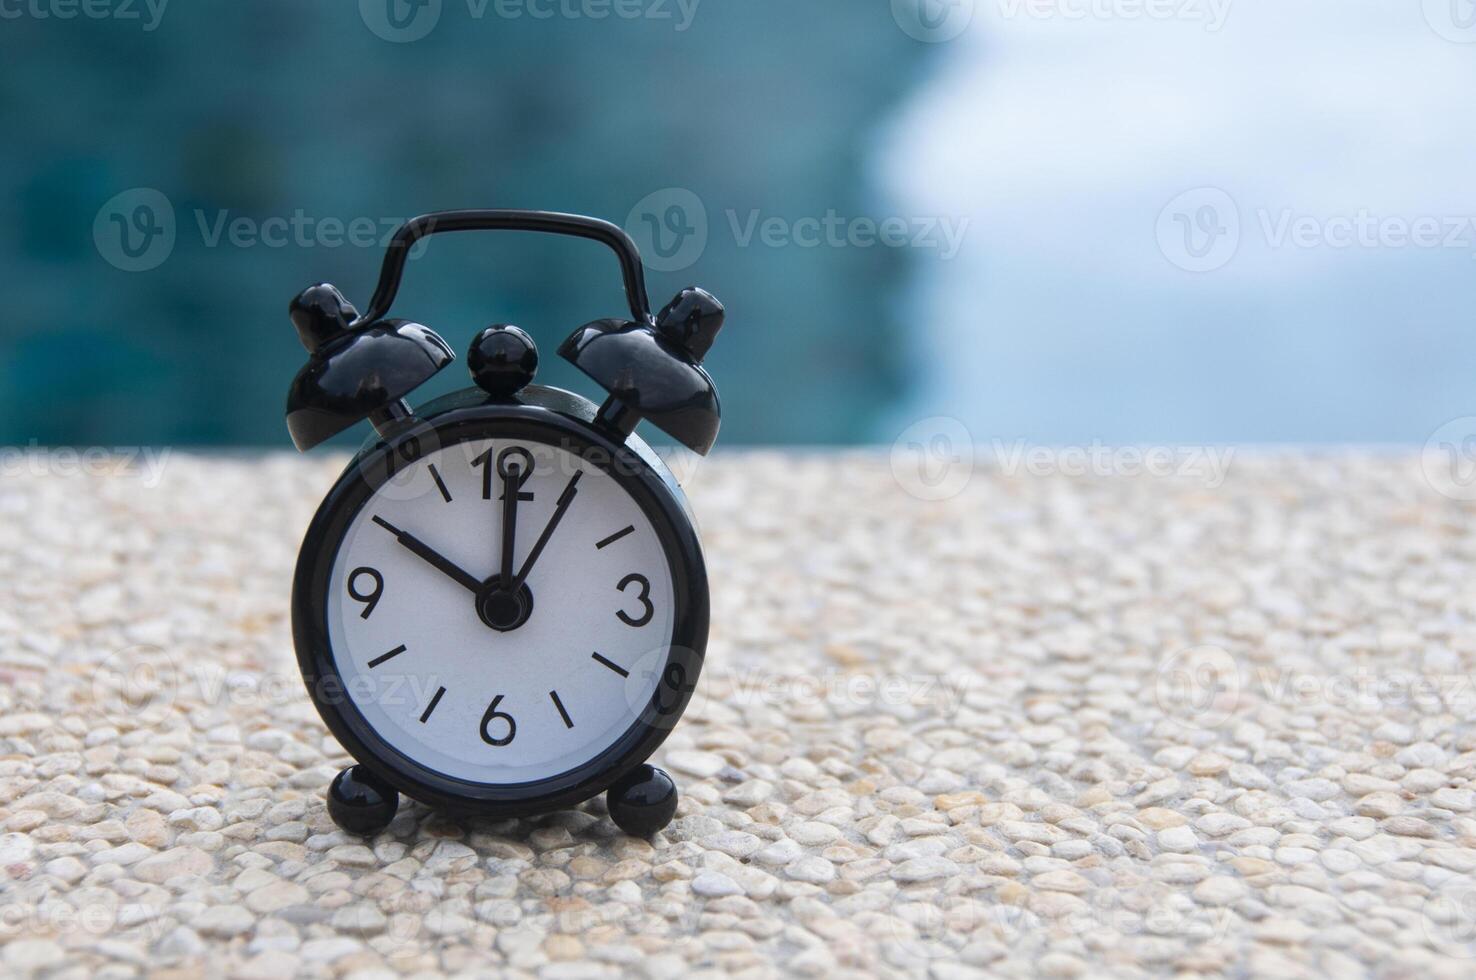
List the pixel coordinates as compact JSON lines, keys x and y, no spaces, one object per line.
{"x":492,"y":712}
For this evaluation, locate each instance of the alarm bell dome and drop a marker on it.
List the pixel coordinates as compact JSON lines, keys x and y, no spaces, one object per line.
{"x":655,"y":371}
{"x":353,"y":373}
{"x":650,"y":377}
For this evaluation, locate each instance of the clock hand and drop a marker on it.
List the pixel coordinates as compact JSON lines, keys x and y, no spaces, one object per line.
{"x":565,"y":499}
{"x":509,"y":520}
{"x":420,"y":548}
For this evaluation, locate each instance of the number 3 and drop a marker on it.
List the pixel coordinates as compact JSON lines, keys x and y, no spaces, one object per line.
{"x":644,"y":599}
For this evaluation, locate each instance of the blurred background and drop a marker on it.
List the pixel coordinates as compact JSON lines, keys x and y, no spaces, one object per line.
{"x":1131,"y":221}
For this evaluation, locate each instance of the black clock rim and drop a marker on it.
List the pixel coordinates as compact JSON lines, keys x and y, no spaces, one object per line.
{"x":659,"y":498}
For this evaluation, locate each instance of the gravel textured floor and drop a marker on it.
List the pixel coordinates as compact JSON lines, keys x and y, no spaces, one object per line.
{"x":1049,"y":725}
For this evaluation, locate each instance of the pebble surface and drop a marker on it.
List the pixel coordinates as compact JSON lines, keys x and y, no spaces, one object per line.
{"x":1049,"y":726}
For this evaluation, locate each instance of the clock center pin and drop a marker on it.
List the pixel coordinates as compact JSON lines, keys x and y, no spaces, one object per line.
{"x":503,"y":610}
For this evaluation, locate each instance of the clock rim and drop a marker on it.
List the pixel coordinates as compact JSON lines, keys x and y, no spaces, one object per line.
{"x":659,"y":498}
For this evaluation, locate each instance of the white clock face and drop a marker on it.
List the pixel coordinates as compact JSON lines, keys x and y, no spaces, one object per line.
{"x":492,"y":664}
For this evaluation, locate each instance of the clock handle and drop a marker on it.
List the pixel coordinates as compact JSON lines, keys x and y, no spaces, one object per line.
{"x":547,"y":222}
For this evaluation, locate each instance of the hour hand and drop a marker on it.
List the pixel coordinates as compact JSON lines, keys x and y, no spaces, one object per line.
{"x":424,"y":551}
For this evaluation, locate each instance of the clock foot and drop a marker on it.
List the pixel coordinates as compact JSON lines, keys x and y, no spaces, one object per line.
{"x":643,"y":802}
{"x":360,"y":802}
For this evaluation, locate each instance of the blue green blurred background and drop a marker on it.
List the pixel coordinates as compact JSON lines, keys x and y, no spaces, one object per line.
{"x":1058,"y":220}
{"x":279,"y":109}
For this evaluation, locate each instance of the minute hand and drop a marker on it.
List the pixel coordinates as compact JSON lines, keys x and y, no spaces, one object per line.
{"x":565,"y":499}
{"x":509,"y":521}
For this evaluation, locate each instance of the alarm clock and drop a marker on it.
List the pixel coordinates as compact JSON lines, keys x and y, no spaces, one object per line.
{"x":501,"y":607}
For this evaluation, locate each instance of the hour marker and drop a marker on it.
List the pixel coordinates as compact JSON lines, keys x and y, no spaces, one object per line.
{"x":612,"y":665}
{"x":432,"y":706}
{"x":440,"y":483}
{"x":568,"y":722}
{"x":616,"y":536}
{"x":393,"y":653}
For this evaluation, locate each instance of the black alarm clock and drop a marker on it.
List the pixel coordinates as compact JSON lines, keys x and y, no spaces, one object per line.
{"x":501,"y":607}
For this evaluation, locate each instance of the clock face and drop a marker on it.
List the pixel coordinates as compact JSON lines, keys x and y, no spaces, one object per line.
{"x":501,"y":610}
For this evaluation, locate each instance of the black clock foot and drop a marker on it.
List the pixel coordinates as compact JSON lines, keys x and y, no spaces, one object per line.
{"x":360,"y":802}
{"x":643,"y":802}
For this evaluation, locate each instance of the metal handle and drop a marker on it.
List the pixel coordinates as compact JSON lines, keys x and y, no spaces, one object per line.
{"x":548,"y":222}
